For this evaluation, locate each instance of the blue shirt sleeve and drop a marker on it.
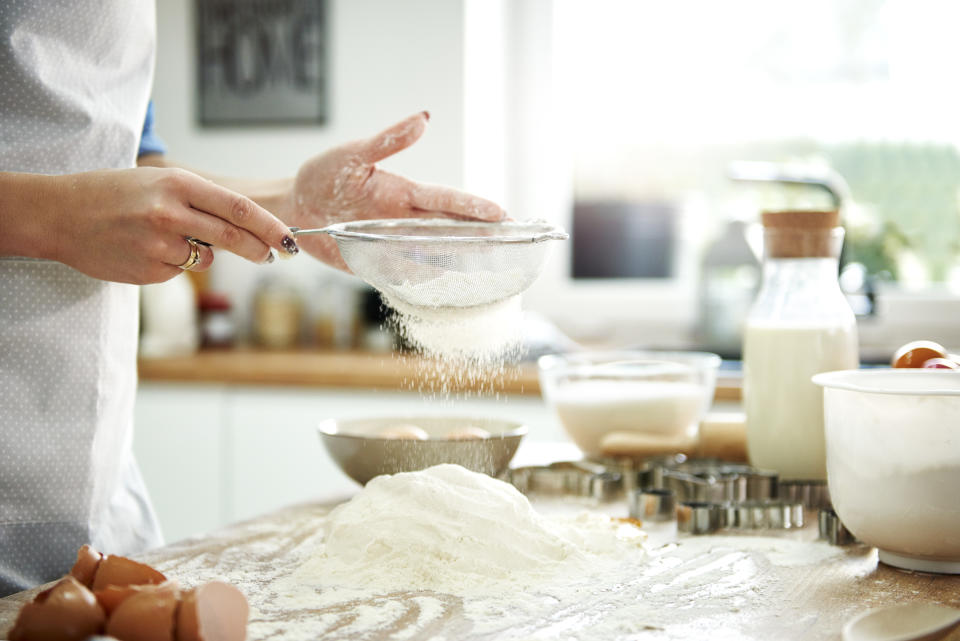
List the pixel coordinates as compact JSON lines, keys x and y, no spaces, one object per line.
{"x":150,"y":142}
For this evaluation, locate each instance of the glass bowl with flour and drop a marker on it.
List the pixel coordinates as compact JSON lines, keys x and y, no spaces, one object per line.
{"x":630,"y":402}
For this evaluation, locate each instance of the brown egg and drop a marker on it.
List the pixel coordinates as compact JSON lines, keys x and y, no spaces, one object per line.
{"x":467,"y":433}
{"x":407,"y":432}
{"x":88,"y":560}
{"x":916,"y":353}
{"x":147,"y":615}
{"x":215,"y":611}
{"x":112,"y":596}
{"x":66,"y":612}
{"x":120,"y":571}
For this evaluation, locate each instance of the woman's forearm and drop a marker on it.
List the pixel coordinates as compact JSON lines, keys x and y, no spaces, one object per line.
{"x":29,"y":206}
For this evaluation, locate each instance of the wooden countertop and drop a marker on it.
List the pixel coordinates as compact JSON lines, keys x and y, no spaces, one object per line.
{"x":346,"y":369}
{"x":784,"y":586}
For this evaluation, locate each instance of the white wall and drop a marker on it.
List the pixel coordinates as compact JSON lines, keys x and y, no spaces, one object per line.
{"x":387,"y":60}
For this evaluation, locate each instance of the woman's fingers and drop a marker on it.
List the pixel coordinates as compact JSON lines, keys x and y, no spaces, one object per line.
{"x":453,"y":202}
{"x":243,"y":215}
{"x":204,"y":256}
{"x":396,"y":138}
{"x":220,"y":233}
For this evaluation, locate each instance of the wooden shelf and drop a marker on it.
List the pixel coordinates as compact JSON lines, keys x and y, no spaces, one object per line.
{"x":333,"y":369}
{"x":313,"y":368}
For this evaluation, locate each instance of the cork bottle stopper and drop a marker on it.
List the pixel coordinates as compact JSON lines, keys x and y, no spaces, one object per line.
{"x":800,"y":234}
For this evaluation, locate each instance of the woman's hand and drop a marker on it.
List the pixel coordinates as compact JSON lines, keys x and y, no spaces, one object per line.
{"x":345,"y":184}
{"x":131,"y":225}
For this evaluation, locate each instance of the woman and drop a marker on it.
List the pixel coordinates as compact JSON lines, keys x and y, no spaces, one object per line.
{"x":81,"y":226}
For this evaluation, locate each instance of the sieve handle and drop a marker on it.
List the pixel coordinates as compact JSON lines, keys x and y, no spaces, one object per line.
{"x":296,"y":231}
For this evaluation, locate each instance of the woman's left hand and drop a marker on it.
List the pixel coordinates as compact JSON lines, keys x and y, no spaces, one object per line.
{"x":345,"y":184}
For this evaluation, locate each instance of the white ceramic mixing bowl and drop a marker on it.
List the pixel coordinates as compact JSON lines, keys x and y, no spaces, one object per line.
{"x":893,"y":462}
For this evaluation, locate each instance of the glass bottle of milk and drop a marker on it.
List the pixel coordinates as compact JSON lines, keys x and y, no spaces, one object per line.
{"x":799,"y":325}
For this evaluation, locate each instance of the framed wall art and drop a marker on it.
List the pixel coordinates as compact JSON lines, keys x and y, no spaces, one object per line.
{"x":261,"y":62}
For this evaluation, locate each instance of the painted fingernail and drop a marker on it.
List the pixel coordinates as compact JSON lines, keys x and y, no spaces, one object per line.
{"x":426,"y":114}
{"x":290,"y":246}
{"x":270,"y":258}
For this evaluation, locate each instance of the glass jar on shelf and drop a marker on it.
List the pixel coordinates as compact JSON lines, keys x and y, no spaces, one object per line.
{"x":277,"y":314}
{"x":218,"y":329}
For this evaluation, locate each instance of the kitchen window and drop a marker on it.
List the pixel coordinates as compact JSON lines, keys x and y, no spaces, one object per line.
{"x":622,"y":120}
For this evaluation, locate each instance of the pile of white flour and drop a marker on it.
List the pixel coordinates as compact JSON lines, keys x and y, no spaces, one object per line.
{"x":450,"y":530}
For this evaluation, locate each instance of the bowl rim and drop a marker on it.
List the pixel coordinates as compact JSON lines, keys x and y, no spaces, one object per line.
{"x":328,"y":427}
{"x":551,"y":361}
{"x":516,"y":231}
{"x":846,"y":379}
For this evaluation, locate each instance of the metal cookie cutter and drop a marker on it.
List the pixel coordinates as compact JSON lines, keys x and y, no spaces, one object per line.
{"x":698,"y":517}
{"x":654,"y":505}
{"x":812,"y":494}
{"x":832,"y":529}
{"x":641,"y":473}
{"x":756,"y":515}
{"x":575,"y":478}
{"x":717,"y":481}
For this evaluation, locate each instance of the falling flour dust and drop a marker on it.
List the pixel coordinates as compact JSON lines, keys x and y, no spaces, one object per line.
{"x":463,"y":344}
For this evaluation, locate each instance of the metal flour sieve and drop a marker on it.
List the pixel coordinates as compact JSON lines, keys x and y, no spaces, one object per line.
{"x":437,"y":262}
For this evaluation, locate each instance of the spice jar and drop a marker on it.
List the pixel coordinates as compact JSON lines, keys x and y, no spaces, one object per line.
{"x":800,"y":324}
{"x":217,"y":327}
{"x":277,"y":313}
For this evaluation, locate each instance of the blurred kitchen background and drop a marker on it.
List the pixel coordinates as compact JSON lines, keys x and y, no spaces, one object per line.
{"x":655,"y":132}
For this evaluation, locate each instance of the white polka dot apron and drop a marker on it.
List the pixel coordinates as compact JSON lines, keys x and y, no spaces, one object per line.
{"x":74,"y":82}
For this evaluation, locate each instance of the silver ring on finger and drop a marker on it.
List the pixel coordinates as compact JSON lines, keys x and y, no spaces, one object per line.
{"x":194,"y":258}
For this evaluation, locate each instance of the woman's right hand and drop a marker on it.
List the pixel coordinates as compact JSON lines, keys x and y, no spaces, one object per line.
{"x":131,"y":225}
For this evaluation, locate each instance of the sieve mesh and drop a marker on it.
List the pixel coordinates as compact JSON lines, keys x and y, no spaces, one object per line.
{"x":445,"y":263}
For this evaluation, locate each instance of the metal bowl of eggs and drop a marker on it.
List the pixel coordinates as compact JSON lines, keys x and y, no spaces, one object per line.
{"x":368,"y":447}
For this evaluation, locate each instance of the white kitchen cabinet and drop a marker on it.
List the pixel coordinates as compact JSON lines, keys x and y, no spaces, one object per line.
{"x":177,"y":439}
{"x":215,"y":454}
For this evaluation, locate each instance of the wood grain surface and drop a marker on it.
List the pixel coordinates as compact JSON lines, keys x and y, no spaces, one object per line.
{"x":783,"y":585}
{"x":345,"y":369}
{"x":330,"y":369}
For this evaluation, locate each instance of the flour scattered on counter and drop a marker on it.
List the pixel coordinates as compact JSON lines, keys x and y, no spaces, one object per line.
{"x":783,"y":552}
{"x":446,"y":554}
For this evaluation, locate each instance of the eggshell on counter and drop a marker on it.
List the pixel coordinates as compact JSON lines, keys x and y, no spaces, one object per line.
{"x":148,"y":615}
{"x":112,"y":596}
{"x":88,"y":560}
{"x":215,"y":611}
{"x":120,"y":571}
{"x":66,"y":612}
